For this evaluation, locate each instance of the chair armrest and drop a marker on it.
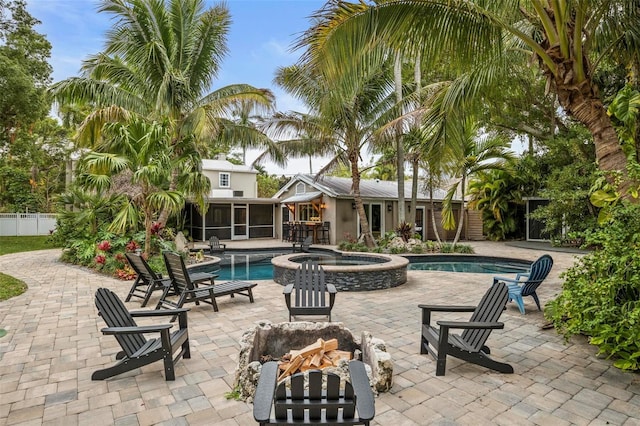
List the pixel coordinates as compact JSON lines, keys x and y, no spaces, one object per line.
{"x":198,"y":288}
{"x":447,"y":308}
{"x":362,"y":388}
{"x":263,"y":398}
{"x":136,"y":330}
{"x":331,"y":288}
{"x":471,"y":325}
{"x":288,"y":289}
{"x":506,"y":280}
{"x":158,"y":313}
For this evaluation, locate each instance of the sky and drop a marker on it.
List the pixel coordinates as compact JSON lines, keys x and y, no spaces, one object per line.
{"x":259,"y":41}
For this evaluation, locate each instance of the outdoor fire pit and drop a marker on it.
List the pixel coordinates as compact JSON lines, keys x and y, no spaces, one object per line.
{"x":269,"y":341}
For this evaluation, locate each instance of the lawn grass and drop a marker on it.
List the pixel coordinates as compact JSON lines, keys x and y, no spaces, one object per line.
{"x":9,"y":286}
{"x":20,"y":244}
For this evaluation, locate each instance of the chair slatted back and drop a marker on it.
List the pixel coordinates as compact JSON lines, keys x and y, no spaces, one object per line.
{"x":310,"y":288}
{"x":488,"y":310}
{"x":539,"y":271}
{"x":177,"y":271}
{"x":214,"y":244}
{"x":115,"y":314}
{"x":315,"y":400}
{"x":141,"y":268}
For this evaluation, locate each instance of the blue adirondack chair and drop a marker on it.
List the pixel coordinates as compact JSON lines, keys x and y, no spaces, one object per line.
{"x":526,"y":283}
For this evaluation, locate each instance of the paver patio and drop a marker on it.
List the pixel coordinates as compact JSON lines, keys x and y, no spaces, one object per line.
{"x":54,"y":343}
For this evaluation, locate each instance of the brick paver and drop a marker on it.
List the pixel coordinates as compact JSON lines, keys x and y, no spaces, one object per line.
{"x":54,"y":343}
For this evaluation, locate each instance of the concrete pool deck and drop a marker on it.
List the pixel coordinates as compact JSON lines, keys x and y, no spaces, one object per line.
{"x":53,"y":344}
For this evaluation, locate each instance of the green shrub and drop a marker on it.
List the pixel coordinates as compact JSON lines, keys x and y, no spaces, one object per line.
{"x":601,"y":293}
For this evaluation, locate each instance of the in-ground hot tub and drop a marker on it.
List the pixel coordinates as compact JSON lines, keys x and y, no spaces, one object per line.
{"x":347,"y":271}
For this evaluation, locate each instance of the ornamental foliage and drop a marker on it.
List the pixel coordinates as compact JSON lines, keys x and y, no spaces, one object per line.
{"x":601,"y":292}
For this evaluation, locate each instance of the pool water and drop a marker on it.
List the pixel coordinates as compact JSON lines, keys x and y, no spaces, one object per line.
{"x":250,"y":266}
{"x":469,"y":264}
{"x":470,"y":267}
{"x":257,"y":266}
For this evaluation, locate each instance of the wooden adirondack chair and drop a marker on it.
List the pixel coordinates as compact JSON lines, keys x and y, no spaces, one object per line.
{"x":526,"y":284}
{"x":470,"y":345}
{"x":189,"y":290}
{"x":310,"y":292}
{"x":354,"y":405}
{"x":215,"y":246}
{"x":303,"y":246}
{"x":147,"y":280}
{"x":137,"y":351}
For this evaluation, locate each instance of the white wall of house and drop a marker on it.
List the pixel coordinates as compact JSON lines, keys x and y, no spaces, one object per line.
{"x":230,"y":180}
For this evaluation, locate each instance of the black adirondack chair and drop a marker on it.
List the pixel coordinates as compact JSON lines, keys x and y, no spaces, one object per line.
{"x":354,"y":405}
{"x":215,"y":246}
{"x":190,"y":291}
{"x":137,"y":351}
{"x":147,"y":280}
{"x":311,"y":295}
{"x":470,"y":345}
{"x":303,"y":246}
{"x":526,"y":284}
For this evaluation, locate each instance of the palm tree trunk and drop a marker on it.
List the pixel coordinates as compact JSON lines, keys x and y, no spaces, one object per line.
{"x":583,"y":103}
{"x":433,"y":211}
{"x":173,"y":184}
{"x":397,"y":74}
{"x":461,"y":214}
{"x":364,"y":222}
{"x":414,"y":192}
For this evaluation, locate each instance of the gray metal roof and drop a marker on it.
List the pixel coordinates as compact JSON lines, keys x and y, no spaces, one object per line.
{"x":301,"y":198}
{"x":339,"y":187}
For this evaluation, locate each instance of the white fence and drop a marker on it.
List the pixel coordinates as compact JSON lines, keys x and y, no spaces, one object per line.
{"x":19,"y":224}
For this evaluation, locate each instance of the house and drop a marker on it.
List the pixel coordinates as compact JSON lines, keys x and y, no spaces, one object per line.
{"x":235,"y":211}
{"x":305,"y":199}
{"x":324,"y":206}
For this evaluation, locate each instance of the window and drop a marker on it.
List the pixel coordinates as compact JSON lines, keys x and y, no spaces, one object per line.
{"x":225,"y":180}
{"x":306,"y":212}
{"x":300,"y":188}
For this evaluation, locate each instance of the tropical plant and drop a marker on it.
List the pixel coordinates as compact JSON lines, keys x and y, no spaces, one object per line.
{"x":498,"y":195}
{"x":567,"y":39}
{"x":601,"y":292}
{"x":134,"y":160}
{"x":472,"y":153}
{"x":344,"y":122}
{"x":159,"y":61}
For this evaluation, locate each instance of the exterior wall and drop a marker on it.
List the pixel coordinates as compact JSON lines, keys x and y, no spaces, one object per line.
{"x":474,"y":225}
{"x":245,"y":182}
{"x":346,"y":220}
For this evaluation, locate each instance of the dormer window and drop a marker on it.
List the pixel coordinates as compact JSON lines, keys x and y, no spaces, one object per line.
{"x":225,"y":180}
{"x":300,"y":188}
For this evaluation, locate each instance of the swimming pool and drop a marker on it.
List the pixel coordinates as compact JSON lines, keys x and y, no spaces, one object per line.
{"x":246,"y":266}
{"x":468,"y":264}
{"x":258,"y":266}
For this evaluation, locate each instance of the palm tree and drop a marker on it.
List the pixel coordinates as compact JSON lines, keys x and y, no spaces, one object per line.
{"x":298,"y":135}
{"x":473,"y":153}
{"x":568,"y":39}
{"x":134,"y":159}
{"x":346,"y":122}
{"x":159,"y":61}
